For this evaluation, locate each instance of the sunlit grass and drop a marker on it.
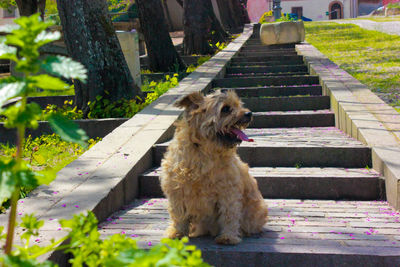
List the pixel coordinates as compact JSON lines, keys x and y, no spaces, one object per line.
{"x":378,"y":18}
{"x":69,"y":91}
{"x":371,"y":57}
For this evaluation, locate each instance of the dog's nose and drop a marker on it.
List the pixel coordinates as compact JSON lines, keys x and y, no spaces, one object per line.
{"x":248,"y":114}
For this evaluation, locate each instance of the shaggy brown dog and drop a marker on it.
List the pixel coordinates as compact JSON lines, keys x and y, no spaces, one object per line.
{"x":210,"y":190}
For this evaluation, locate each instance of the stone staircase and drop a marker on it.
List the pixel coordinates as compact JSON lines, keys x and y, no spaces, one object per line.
{"x":326,"y":205}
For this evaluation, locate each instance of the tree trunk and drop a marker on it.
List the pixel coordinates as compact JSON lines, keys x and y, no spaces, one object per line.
{"x":90,"y":39}
{"x":30,"y":7}
{"x":200,"y":26}
{"x":233,"y":14}
{"x":27,"y":7}
{"x":242,"y":8}
{"x":180,"y":2}
{"x":42,"y":8}
{"x":168,"y":16}
{"x":218,"y":34}
{"x":160,"y":49}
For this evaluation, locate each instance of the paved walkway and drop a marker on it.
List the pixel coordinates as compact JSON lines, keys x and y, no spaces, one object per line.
{"x":390,"y":27}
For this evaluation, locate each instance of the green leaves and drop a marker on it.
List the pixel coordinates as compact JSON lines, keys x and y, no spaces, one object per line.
{"x":47,"y":37}
{"x":11,"y":177}
{"x":17,"y":261}
{"x":68,"y":130}
{"x":47,"y":82}
{"x":31,"y":226}
{"x":10,"y":88}
{"x":120,"y":250}
{"x":21,"y":45}
{"x":7,"y":182}
{"x":20,"y":115}
{"x":7,"y":52}
{"x":65,"y":67}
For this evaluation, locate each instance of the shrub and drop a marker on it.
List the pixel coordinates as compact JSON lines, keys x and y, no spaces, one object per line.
{"x":393,"y":5}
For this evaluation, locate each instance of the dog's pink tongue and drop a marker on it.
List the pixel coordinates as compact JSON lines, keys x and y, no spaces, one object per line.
{"x":241,"y":135}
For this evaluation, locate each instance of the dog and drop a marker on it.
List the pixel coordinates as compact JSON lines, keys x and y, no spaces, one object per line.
{"x":208,"y":187}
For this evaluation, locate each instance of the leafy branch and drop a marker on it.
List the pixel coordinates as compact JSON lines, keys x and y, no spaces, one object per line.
{"x":21,"y":45}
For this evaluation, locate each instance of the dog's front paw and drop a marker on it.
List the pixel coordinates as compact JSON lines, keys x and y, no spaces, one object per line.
{"x":228,"y":239}
{"x":172,"y":233}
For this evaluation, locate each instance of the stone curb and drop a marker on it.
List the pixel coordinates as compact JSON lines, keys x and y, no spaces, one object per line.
{"x":362,"y":115}
{"x":105,"y":177}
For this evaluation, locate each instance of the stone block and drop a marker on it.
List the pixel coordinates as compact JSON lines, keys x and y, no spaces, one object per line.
{"x":282,"y":32}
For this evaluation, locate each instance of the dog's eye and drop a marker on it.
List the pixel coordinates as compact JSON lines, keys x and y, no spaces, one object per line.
{"x":226,"y":109}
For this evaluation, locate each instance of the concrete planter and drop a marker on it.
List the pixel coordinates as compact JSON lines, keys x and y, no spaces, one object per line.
{"x":93,"y":128}
{"x":286,"y":32}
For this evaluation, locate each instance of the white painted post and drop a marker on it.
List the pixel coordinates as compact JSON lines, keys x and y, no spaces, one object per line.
{"x":129,"y":42}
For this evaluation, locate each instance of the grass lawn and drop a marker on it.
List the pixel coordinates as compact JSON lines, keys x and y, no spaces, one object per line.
{"x":44,"y":153}
{"x":371,"y":57}
{"x":378,"y":18}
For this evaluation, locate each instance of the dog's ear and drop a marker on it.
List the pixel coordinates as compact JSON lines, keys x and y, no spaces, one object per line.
{"x":190,"y":101}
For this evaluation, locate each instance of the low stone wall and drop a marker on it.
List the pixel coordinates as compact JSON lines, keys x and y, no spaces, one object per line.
{"x":94,"y":128}
{"x":105,"y":177}
{"x":362,"y":115}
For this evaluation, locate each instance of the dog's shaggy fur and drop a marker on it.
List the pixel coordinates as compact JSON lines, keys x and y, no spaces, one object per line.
{"x":210,"y":190}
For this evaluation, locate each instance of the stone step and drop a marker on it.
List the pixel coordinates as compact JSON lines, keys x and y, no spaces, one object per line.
{"x":263,"y":74}
{"x":266,"y":53}
{"x":299,"y":233}
{"x":267,"y":69}
{"x":267,"y":64}
{"x":257,"y":43}
{"x":256,"y":104}
{"x":293,"y":183}
{"x":262,"y":48}
{"x":289,"y":119}
{"x":269,"y":91}
{"x":266,"y":81}
{"x":290,"y":147}
{"x":283,"y":58}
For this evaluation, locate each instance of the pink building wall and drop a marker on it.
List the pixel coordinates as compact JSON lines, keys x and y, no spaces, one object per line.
{"x":255,"y":8}
{"x":385,"y":2}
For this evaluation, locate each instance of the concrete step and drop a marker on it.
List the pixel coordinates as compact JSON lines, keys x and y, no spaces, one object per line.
{"x":290,"y":147}
{"x":257,"y":43}
{"x":283,"y":58}
{"x":299,"y":233}
{"x":269,"y":91}
{"x":263,"y":48}
{"x":289,"y":119}
{"x":266,"y":81}
{"x":267,"y":53}
{"x":293,"y":183}
{"x":256,"y":104}
{"x":269,"y":69}
{"x":264,"y":74}
{"x":266,"y":64}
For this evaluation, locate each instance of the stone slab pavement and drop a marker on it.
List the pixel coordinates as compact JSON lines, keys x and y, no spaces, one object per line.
{"x":361,"y":227}
{"x":389,"y":27}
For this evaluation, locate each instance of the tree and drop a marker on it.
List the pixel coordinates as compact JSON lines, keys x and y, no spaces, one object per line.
{"x":26,"y":7}
{"x":90,"y":38}
{"x":233,"y":14}
{"x":201,"y":27}
{"x":218,"y":34}
{"x":160,"y":49}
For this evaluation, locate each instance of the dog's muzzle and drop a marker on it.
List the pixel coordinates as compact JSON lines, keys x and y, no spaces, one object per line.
{"x":246,"y":118}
